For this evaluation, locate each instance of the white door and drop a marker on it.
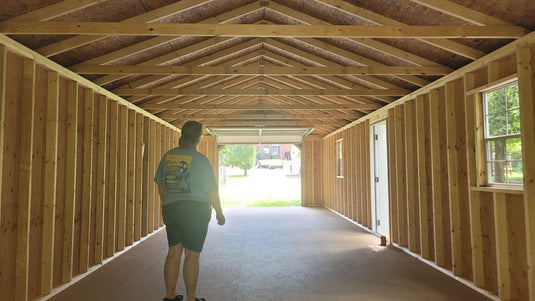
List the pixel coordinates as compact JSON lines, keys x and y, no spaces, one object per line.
{"x":380,"y":179}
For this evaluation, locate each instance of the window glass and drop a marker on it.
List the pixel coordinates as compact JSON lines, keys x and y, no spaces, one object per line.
{"x":502,"y":135}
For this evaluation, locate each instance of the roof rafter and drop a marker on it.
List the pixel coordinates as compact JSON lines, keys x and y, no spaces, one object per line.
{"x":461,"y":12}
{"x":382,"y":20}
{"x":153,"y":15}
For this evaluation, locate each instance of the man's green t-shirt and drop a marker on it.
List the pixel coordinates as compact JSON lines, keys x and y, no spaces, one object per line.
{"x":185,"y":174}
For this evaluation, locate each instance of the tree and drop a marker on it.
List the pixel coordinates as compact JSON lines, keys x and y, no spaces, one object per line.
{"x":240,"y":156}
{"x":503,"y":119}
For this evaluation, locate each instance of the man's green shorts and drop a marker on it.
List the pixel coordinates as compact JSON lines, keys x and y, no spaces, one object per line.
{"x":186,"y":222}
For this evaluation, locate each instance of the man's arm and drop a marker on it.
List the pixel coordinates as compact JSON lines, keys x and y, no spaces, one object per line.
{"x":213,"y":196}
{"x":161,"y":190}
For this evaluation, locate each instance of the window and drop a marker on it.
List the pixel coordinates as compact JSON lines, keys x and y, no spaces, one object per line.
{"x":276,"y":150}
{"x":502,"y":135}
{"x":340,"y":171}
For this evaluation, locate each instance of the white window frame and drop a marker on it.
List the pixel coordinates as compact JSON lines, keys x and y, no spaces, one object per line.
{"x":488,"y":139}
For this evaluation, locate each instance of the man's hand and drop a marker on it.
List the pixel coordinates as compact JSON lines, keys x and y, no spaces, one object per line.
{"x":220,"y":218}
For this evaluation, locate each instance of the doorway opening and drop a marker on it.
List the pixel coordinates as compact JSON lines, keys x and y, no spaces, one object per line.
{"x":379,"y":169}
{"x":260,"y":175}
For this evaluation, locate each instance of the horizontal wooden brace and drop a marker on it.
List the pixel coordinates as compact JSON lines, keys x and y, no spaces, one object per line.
{"x":260,"y":107}
{"x":263,"y":92}
{"x":259,"y":30}
{"x":229,"y":70}
{"x":286,"y":123}
{"x":259,"y":116}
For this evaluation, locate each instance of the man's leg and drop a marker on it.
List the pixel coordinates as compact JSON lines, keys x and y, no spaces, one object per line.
{"x":191,"y":273}
{"x":171,"y":269}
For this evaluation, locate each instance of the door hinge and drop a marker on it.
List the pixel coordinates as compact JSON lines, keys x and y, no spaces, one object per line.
{"x":376,"y":137}
{"x":378,"y":222}
{"x":376,"y":179}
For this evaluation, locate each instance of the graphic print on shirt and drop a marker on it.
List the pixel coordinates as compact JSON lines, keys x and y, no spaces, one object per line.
{"x":177,"y":174}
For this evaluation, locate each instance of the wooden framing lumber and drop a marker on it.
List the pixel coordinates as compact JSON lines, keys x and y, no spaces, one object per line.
{"x":153,"y":198}
{"x":454,"y":175}
{"x":392,"y":176}
{"x":122,"y":179}
{"x":39,"y":59}
{"x":88,"y":155}
{"x":138,"y":185}
{"x":25,"y":183}
{"x":71,"y":165}
{"x":526,"y":86}
{"x":474,"y":199}
{"x":502,"y":246}
{"x":3,"y":74}
{"x":111,"y":194}
{"x":401,"y":183}
{"x":263,"y":92}
{"x":146,"y":177}
{"x":247,"y":107}
{"x":411,"y":173}
{"x":458,"y":11}
{"x":56,"y":10}
{"x":265,"y":70}
{"x":422,"y":124}
{"x":49,"y":198}
{"x":351,"y":116}
{"x":153,"y":15}
{"x":130,"y":177}
{"x":258,"y":30}
{"x":379,"y":19}
{"x":101,"y":178}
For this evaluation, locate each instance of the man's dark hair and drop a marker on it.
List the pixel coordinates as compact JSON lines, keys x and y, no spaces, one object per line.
{"x":191,"y":131}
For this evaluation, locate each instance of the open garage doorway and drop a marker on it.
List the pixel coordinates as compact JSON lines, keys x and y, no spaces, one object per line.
{"x":260,"y":175}
{"x":277,"y":174}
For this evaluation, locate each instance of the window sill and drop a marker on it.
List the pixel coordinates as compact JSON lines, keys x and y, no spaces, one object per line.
{"x":500,"y":189}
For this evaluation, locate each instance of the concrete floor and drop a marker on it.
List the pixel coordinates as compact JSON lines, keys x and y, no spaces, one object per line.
{"x":277,"y":254}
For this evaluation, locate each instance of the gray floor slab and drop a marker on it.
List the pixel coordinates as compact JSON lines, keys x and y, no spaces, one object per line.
{"x":269,"y":254}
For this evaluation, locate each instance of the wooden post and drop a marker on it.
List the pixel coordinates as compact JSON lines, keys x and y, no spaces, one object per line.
{"x":25,"y":183}
{"x":401,"y":183}
{"x":158,"y":157}
{"x":453,"y":171}
{"x":146,"y":178}
{"x":411,"y":173}
{"x":392,"y":179}
{"x":436,"y":174}
{"x":474,"y":201}
{"x":122,"y":178}
{"x":422,"y":123}
{"x":526,"y":90}
{"x":111,"y":194}
{"x":138,"y":197}
{"x":87,"y":179}
{"x":49,"y":199}
{"x":131,"y":177}
{"x":152,"y":170}
{"x":70,"y":179}
{"x":367,"y":179}
{"x":3,"y":74}
{"x":502,"y":246}
{"x":101,"y":178}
